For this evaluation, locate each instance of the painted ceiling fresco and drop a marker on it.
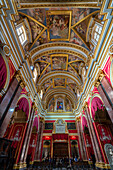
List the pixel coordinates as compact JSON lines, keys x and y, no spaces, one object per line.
{"x":60,"y":62}
{"x":59,"y":104}
{"x":58,"y":24}
{"x":66,"y":25}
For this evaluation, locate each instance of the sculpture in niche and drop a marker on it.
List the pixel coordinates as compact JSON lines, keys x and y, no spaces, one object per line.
{"x":109,"y":153}
{"x":16,"y":137}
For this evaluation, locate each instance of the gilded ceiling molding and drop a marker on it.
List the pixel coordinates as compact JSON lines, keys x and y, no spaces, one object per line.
{"x":60,"y":3}
{"x":60,"y":51}
{"x":109,"y":6}
{"x":42,"y":1}
{"x":47,"y":47}
{"x":59,"y":74}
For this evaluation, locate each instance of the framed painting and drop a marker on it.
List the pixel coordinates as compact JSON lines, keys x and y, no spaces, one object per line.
{"x":59,"y":62}
{"x":59,"y":104}
{"x":59,"y":82}
{"x":58,"y":25}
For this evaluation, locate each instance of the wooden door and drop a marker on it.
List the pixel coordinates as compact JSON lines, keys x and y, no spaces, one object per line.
{"x":60,"y":150}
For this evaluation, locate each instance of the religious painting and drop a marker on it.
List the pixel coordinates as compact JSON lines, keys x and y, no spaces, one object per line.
{"x":47,"y":84}
{"x":59,"y":82}
{"x":68,"y":105}
{"x":80,"y":13}
{"x":71,"y":126}
{"x":59,"y":61}
{"x":44,"y":58}
{"x":48,"y":126}
{"x":59,"y":104}
{"x":58,"y":25}
{"x":70,"y":69}
{"x":73,"y":58}
{"x":43,"y":65}
{"x":75,"y":65}
{"x":51,"y":105}
{"x":68,"y":88}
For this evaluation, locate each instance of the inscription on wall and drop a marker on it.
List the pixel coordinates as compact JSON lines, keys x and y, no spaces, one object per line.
{"x":60,"y":128}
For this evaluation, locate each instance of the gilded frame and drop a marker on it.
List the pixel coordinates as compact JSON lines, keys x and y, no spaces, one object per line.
{"x":50,"y":13}
{"x":59,"y":55}
{"x":59,"y":86}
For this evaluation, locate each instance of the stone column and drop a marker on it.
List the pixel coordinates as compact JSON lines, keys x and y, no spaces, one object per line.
{"x":81,"y":140}
{"x":93,"y":136}
{"x":29,"y":133}
{"x":10,"y":99}
{"x":39,"y":141}
{"x":27,"y":136}
{"x":106,"y":92}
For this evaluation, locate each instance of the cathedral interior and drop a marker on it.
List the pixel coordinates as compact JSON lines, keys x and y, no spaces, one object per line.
{"x":56,"y":84}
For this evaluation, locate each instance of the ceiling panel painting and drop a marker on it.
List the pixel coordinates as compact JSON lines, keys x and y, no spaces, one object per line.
{"x":57,"y":24}
{"x":59,"y":82}
{"x":47,"y":85}
{"x":59,"y":61}
{"x":43,"y":65}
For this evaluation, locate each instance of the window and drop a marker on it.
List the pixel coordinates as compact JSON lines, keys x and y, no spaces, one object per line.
{"x":41,"y":94}
{"x":21,"y":34}
{"x":35,"y":74}
{"x":97,"y":32}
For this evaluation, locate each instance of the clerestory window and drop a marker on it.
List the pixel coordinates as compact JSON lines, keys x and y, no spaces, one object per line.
{"x":22,"y":34}
{"x":97,"y":32}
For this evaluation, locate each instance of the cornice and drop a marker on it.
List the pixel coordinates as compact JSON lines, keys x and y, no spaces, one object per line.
{"x":60,"y":1}
{"x":52,"y":3}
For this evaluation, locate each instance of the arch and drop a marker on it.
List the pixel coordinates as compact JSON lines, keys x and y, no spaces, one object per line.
{"x":59,"y":47}
{"x":52,"y":92}
{"x":96,"y":97}
{"x":59,"y":74}
{"x":36,"y":122}
{"x":83,"y":122}
{"x":24,"y":104}
{"x":4,"y":67}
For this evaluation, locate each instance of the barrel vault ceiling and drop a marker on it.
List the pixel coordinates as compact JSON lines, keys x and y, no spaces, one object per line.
{"x":58,"y":47}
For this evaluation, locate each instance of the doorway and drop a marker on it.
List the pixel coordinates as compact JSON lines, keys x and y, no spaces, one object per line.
{"x":60,"y":150}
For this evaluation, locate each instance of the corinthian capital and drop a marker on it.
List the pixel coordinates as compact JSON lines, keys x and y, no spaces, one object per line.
{"x":77,"y":119}
{"x":97,"y":83}
{"x":99,"y":78}
{"x":101,"y":75}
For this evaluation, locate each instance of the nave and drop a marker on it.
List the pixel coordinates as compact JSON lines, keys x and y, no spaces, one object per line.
{"x":56,"y":84}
